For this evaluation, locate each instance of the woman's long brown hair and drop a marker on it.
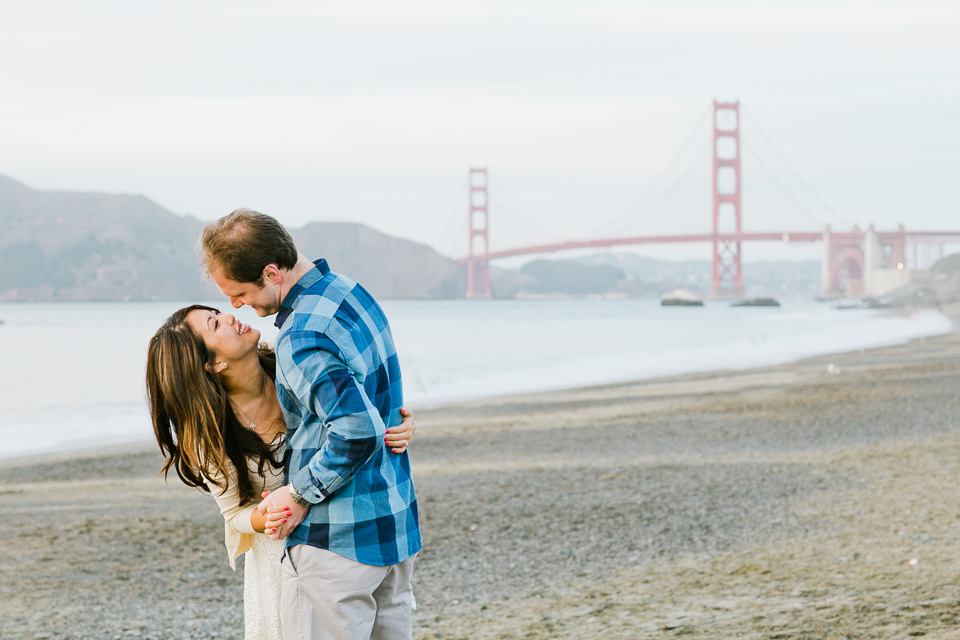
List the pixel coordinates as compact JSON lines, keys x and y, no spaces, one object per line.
{"x":193,"y":419}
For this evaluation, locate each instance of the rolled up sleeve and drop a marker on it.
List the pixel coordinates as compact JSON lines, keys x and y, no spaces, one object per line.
{"x":326,"y":388}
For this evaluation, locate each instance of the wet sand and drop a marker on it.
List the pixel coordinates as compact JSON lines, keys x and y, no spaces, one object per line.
{"x":784,"y":502}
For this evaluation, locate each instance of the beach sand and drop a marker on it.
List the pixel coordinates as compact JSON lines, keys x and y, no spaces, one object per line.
{"x":785,"y":502}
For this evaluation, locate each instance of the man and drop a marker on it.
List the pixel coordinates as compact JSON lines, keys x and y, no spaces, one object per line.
{"x":349,"y":512}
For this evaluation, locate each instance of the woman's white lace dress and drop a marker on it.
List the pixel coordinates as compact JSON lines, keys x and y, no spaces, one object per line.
{"x":261,"y":567}
{"x":261,"y":589}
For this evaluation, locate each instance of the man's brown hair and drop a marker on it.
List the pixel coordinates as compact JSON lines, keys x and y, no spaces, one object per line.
{"x":243,"y":243}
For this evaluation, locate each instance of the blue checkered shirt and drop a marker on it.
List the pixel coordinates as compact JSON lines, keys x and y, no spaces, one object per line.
{"x":338,"y":380}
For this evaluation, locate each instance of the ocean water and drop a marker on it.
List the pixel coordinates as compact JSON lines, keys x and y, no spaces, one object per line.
{"x":72,"y":375}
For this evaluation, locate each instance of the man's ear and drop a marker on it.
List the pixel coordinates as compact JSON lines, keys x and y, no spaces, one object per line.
{"x":272,"y":274}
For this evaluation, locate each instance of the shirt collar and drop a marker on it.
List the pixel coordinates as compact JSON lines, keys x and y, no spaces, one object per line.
{"x":310,"y":278}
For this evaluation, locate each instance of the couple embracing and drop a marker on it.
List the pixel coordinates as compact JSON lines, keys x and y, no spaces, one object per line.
{"x":303,"y":446}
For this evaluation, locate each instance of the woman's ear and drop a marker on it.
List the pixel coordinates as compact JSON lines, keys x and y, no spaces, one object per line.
{"x":216,"y":368}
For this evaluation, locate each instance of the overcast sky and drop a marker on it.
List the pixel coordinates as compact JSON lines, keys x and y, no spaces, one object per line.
{"x":372,"y":112}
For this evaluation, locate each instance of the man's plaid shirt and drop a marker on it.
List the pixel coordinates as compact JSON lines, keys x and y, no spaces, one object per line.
{"x":338,"y":380}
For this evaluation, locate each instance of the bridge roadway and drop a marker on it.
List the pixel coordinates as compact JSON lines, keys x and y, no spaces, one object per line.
{"x":805,"y":236}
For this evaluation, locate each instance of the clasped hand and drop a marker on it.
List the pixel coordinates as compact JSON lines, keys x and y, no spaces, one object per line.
{"x":282,"y":513}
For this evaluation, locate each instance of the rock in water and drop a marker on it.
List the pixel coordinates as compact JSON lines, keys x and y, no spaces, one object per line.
{"x":757,"y":302}
{"x":681,"y":298}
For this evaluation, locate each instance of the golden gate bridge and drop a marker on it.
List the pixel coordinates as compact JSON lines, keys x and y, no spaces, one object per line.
{"x":855,"y":263}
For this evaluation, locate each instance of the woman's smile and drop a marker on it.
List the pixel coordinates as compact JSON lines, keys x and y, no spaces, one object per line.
{"x":231,"y":321}
{"x":218,"y":331}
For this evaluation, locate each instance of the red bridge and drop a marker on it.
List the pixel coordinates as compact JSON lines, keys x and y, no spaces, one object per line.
{"x":855,"y":262}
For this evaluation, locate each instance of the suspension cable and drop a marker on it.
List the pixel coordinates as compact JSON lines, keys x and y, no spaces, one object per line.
{"x":523,"y":224}
{"x":453,"y":217}
{"x":670,"y":190}
{"x":792,"y":170}
{"x":538,"y":229}
{"x":615,"y":222}
{"x":781,"y":185}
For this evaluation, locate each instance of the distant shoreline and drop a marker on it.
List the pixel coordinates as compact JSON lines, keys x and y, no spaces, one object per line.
{"x":71,"y":453}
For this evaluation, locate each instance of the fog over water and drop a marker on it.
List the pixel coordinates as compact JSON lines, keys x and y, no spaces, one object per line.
{"x":71,"y":375}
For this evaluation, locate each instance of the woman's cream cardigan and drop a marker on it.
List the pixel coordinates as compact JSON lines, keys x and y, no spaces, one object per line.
{"x":238,"y":529}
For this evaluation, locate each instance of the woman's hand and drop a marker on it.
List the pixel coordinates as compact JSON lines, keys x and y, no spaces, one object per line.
{"x":281,"y":516}
{"x":400,"y":436}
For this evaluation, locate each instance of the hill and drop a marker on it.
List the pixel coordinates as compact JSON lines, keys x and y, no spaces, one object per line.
{"x":938,"y":288}
{"x":390,"y":268}
{"x":70,"y":246}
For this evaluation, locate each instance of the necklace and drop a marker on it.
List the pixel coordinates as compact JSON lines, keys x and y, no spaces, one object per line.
{"x":253,"y":423}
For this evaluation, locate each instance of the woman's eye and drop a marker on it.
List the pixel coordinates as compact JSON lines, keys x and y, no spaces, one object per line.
{"x":216,"y":325}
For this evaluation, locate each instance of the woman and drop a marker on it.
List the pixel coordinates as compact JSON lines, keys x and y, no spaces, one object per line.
{"x":218,"y":421}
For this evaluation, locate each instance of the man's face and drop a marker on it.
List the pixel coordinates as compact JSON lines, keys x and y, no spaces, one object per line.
{"x":264,"y":300}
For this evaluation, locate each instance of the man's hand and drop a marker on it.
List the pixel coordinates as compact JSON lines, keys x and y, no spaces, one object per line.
{"x":283,"y":514}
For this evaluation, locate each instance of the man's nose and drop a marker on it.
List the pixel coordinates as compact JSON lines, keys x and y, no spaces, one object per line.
{"x":236,"y":302}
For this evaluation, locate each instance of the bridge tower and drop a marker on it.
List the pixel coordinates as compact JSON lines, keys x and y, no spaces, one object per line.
{"x":478,"y":271}
{"x":727,"y":276}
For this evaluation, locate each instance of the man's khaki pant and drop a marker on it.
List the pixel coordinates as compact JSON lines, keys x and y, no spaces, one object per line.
{"x":328,"y":597}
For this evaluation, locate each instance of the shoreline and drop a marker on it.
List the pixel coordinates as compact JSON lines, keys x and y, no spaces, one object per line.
{"x":952,"y":313}
{"x":79,"y":453}
{"x":760,"y":503}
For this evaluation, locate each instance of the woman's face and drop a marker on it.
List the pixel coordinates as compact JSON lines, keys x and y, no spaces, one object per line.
{"x":228,"y":338}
